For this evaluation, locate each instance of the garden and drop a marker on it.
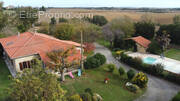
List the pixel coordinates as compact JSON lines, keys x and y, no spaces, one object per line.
{"x":156,"y":69}
{"x":107,"y":81}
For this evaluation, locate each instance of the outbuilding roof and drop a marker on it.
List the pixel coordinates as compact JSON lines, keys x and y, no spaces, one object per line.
{"x":141,"y":41}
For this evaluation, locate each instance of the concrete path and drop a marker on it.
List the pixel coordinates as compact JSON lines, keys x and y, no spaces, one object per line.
{"x":158,"y":89}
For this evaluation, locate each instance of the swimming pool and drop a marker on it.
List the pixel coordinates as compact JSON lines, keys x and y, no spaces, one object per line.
{"x":149,"y":60}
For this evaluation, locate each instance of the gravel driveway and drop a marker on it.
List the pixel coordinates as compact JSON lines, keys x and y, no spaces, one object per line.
{"x":158,"y":89}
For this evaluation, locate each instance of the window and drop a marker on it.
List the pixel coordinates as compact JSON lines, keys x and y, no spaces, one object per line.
{"x":21,"y":66}
{"x":26,"y":64}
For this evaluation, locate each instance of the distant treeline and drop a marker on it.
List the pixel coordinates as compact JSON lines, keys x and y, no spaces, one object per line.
{"x":154,"y":10}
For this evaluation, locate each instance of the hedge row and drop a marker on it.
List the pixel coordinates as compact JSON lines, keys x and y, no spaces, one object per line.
{"x":156,"y":69}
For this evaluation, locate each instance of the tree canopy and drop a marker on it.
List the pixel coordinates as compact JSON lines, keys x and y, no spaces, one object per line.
{"x":36,"y":84}
{"x":145,"y":29}
{"x":118,"y":29}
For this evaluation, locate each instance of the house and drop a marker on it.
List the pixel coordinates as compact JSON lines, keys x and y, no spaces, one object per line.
{"x":10,"y":7}
{"x":20,"y":50}
{"x":141,"y":43}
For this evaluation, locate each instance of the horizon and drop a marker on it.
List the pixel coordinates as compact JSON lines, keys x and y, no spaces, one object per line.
{"x":95,"y":4}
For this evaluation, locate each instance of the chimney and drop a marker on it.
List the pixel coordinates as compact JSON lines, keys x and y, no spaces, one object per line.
{"x":18,"y":34}
{"x":35,"y":30}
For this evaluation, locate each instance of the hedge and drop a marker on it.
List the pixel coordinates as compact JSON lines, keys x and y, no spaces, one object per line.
{"x":156,"y":69}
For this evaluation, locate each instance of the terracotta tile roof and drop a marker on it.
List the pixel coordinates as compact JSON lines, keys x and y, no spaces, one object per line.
{"x":141,"y":41}
{"x":34,"y":43}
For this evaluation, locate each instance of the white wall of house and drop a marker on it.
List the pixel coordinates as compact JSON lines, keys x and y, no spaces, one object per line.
{"x":140,"y":48}
{"x":23,"y":59}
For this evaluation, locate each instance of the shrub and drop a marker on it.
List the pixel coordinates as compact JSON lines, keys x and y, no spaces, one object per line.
{"x":132,"y":87}
{"x":131,"y":73}
{"x":88,"y":90}
{"x":89,"y":47}
{"x":176,"y":97}
{"x":154,"y":48}
{"x":75,"y":97}
{"x":100,"y":57}
{"x":158,"y":68}
{"x":86,"y":97}
{"x":140,"y":79}
{"x":95,"y":61}
{"x":111,"y":67}
{"x":92,"y":62}
{"x":121,"y":71}
{"x":136,"y":62}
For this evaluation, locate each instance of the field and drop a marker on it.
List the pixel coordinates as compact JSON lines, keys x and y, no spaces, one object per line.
{"x":162,"y":18}
{"x":114,"y":90}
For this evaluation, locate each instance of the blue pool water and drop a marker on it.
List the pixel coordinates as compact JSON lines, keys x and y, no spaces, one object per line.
{"x":149,"y":60}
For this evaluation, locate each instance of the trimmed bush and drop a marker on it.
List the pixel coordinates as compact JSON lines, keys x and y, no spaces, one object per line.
{"x":121,"y":71}
{"x":75,"y":97}
{"x":92,"y":62}
{"x":140,"y":79}
{"x":100,"y":57}
{"x":177,"y":97}
{"x":130,"y":74}
{"x":95,"y":61}
{"x":86,"y":97}
{"x":111,"y":67}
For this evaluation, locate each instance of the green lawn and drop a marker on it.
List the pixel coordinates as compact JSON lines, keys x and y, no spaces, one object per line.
{"x":4,"y":80}
{"x":113,"y":91}
{"x":173,"y":53}
{"x":104,"y":43}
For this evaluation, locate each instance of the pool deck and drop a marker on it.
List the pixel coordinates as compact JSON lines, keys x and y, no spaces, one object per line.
{"x":170,"y":64}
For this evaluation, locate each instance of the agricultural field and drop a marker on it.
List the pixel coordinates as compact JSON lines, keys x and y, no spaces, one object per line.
{"x":160,"y":18}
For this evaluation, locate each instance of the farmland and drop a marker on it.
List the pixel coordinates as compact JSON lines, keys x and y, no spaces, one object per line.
{"x":160,"y":18}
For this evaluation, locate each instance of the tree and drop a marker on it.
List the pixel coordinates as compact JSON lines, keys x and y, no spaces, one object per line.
{"x":176,"y":19}
{"x":154,"y":47}
{"x":3,"y":18}
{"x":21,"y":28}
{"x":59,"y":60}
{"x":36,"y":84}
{"x":64,"y":31}
{"x":145,"y":29}
{"x":52,"y":26}
{"x":90,"y":32}
{"x":62,"y":20}
{"x":164,"y":40}
{"x":99,"y":20}
{"x":118,"y":28}
{"x":42,"y":8}
{"x":26,"y":16}
{"x":53,"y":21}
{"x":173,"y":30}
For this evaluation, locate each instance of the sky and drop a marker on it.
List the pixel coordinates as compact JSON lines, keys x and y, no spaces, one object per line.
{"x":95,"y":3}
